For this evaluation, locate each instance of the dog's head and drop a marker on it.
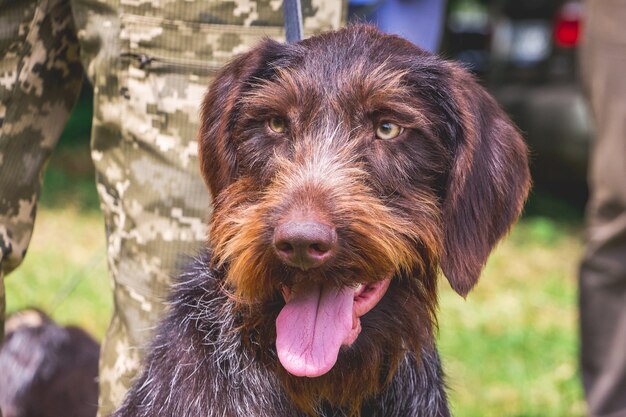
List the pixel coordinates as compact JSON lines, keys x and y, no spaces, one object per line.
{"x":346,"y":170}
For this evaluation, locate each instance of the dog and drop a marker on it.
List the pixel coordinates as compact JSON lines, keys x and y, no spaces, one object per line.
{"x":47,"y":370}
{"x":347,"y":170}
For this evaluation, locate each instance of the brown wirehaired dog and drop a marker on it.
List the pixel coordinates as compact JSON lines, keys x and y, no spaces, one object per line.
{"x":346,"y":170}
{"x":47,"y":370}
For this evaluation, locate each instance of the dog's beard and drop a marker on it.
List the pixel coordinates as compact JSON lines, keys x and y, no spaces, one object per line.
{"x":377,"y":243}
{"x":402,"y":321}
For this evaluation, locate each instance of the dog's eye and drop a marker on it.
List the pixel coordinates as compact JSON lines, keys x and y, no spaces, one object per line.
{"x":388,"y":130}
{"x":277,"y":125}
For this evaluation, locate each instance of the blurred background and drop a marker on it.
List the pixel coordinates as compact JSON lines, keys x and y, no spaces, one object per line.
{"x":511,"y":348}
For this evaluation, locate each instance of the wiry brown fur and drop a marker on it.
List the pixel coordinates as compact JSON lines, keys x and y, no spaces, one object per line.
{"x":440,"y":195}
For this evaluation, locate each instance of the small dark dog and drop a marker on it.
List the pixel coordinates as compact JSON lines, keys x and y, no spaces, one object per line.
{"x":346,"y":170}
{"x":47,"y":370}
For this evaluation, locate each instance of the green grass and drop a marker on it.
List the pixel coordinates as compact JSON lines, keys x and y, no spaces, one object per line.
{"x":508,"y":350}
{"x":64,"y":272}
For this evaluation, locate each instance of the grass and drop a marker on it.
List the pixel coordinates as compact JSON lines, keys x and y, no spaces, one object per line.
{"x":508,"y":350}
{"x":64,"y":272}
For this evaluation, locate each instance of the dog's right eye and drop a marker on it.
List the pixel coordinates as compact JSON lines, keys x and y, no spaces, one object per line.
{"x":388,"y":130}
{"x":276,"y":124}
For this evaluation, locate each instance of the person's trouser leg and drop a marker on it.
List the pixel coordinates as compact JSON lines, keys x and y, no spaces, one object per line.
{"x":40,"y":78}
{"x":155,"y":203}
{"x":603,"y":271}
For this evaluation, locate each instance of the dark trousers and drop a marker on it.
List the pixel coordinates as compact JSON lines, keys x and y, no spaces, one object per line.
{"x":603,"y":270}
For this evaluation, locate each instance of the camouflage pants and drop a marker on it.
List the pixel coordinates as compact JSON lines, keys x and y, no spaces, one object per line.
{"x":149,"y":62}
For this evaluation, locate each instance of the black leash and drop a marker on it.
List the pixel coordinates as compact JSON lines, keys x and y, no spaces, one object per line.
{"x":292,"y":10}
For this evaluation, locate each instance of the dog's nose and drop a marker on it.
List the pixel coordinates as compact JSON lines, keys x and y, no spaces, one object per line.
{"x":304,"y":244}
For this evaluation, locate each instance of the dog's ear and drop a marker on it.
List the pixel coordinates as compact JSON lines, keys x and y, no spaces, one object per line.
{"x":218,"y":162}
{"x":488,"y":182}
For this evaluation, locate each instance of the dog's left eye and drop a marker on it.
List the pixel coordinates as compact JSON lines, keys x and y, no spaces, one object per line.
{"x":277,"y":125}
{"x":388,"y":130}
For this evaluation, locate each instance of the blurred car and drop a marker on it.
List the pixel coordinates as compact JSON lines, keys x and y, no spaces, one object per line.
{"x":526,"y":54}
{"x":534,"y":75}
{"x":468,"y":34}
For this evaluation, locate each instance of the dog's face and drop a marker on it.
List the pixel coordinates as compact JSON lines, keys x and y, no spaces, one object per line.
{"x":347,"y":169}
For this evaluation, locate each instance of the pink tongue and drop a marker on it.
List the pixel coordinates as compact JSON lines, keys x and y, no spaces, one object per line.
{"x":311,"y":328}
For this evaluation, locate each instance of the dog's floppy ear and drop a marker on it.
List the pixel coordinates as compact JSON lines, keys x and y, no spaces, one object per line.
{"x":487,"y":185}
{"x":218,"y":162}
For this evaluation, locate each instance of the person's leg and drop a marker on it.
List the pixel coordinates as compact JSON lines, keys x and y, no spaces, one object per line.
{"x":40,"y":78}
{"x":150,"y":66}
{"x":603,"y":271}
